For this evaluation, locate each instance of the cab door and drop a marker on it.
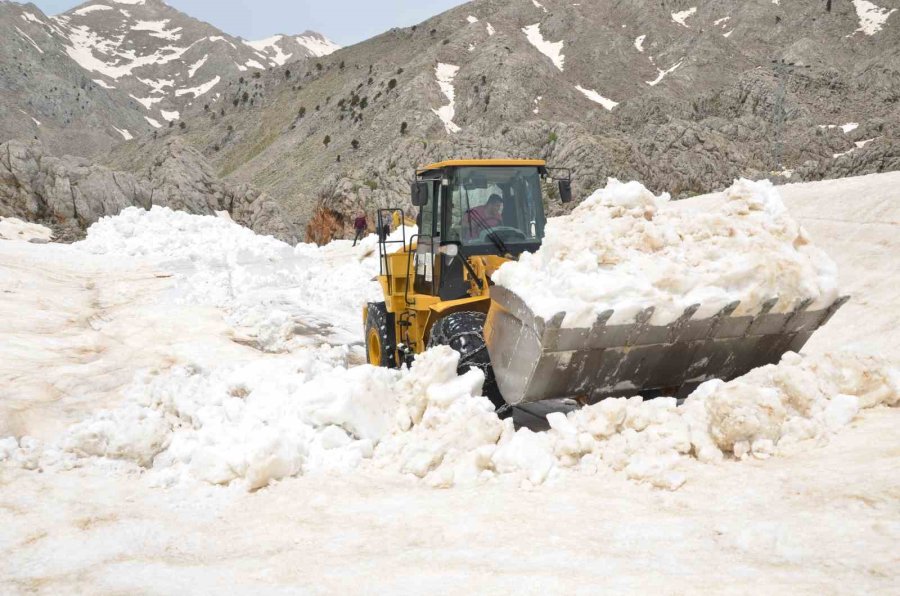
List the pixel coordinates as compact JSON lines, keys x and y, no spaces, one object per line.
{"x":428,"y":243}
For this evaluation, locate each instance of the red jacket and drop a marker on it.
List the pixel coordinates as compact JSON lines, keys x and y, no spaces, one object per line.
{"x":360,"y":223}
{"x":477,"y":219}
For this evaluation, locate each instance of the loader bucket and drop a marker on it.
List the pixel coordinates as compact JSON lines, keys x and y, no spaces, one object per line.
{"x":535,"y":359}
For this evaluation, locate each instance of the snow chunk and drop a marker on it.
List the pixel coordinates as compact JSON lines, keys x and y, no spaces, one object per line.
{"x":683,"y":16}
{"x":16,"y":229}
{"x":624,"y":249}
{"x":152,"y":122}
{"x":538,"y":5}
{"x":639,"y":43}
{"x":103,"y":84}
{"x":871,"y":17}
{"x":552,"y":50}
{"x":472,"y":19}
{"x":169,"y":116}
{"x":490,"y":29}
{"x":596,"y":97}
{"x":445,"y":73}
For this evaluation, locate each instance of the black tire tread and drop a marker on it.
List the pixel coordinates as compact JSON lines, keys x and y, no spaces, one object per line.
{"x":464,"y":333}
{"x":382,"y":320}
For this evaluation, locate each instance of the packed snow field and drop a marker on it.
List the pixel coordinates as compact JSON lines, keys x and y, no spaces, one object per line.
{"x":205,"y":387}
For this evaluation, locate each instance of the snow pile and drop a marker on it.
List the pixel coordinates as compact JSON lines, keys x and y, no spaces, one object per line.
{"x":625,"y":249}
{"x":16,"y":229}
{"x":764,"y":413}
{"x":255,"y":424}
{"x":276,"y":297}
{"x":276,"y":418}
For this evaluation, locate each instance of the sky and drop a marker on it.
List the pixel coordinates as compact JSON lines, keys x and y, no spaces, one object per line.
{"x":343,"y":21}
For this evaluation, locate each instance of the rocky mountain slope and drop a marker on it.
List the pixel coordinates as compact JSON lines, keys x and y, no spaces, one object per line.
{"x":679,"y":94}
{"x":45,"y":95}
{"x":69,"y":194}
{"x":108,"y":71}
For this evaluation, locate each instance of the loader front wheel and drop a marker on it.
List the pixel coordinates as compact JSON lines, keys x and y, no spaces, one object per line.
{"x":464,"y":332}
{"x":381,"y":345}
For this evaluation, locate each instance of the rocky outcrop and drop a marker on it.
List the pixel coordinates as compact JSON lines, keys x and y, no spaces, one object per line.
{"x":69,"y":191}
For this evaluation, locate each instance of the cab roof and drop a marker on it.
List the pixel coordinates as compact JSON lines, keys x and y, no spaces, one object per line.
{"x":482,"y":163}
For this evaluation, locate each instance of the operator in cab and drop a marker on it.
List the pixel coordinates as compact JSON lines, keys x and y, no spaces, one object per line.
{"x":485,"y":217}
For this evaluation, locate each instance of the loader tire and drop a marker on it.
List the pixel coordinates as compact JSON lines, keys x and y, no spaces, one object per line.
{"x":381,"y":343}
{"x":464,"y":332}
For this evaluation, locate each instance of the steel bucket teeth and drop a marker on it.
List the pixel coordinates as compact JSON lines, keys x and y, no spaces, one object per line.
{"x":536,"y":359}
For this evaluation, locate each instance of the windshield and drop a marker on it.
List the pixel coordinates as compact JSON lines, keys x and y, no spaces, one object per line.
{"x":496,"y":206}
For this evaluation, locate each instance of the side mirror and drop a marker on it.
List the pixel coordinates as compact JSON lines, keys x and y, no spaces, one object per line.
{"x":419,"y":192}
{"x":565,"y":191}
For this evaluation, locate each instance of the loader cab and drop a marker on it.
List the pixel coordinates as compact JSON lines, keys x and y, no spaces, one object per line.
{"x":477,"y":208}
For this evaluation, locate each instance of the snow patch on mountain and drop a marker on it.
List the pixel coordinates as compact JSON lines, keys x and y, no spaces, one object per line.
{"x":871,"y":16}
{"x":639,"y":43}
{"x":125,"y":134}
{"x":445,"y":74}
{"x":28,"y":38}
{"x":92,"y":8}
{"x":682,"y":17}
{"x":664,"y":73}
{"x":196,"y":66}
{"x":158,"y":29}
{"x":596,"y":97}
{"x":318,"y":45}
{"x":199,"y":90}
{"x":552,"y":50}
{"x":270,"y":48}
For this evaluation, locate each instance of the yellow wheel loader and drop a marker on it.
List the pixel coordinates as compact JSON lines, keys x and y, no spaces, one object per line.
{"x":475,"y":215}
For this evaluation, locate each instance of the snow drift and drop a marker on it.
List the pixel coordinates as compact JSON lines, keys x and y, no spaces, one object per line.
{"x":625,"y":249}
